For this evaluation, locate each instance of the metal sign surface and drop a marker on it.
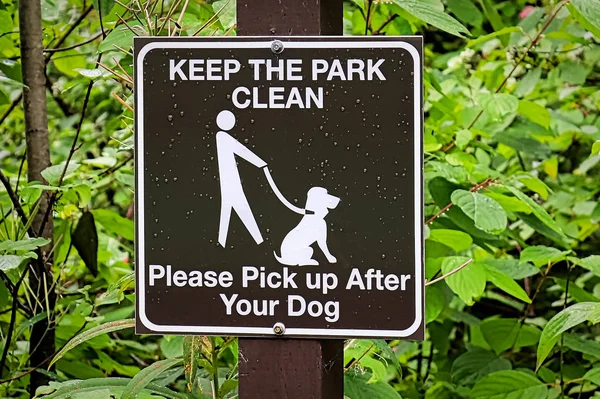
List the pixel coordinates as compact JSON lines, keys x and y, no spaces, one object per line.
{"x":279,"y":186}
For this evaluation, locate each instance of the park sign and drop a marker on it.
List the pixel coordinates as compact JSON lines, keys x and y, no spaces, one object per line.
{"x":279,"y":186}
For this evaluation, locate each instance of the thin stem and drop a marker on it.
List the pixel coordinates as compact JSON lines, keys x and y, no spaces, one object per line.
{"x":13,"y":318}
{"x":450,"y":273}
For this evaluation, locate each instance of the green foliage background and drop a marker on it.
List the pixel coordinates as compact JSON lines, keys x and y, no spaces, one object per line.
{"x":512,"y":147}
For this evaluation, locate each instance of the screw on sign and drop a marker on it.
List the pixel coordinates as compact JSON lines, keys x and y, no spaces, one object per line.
{"x":285,"y":194}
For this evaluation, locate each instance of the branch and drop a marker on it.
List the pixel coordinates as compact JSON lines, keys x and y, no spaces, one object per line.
{"x":16,"y":203}
{"x":56,"y":50}
{"x":450,"y":273}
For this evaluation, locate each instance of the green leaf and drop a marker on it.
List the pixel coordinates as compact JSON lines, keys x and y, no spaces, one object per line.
{"x":103,"y":7}
{"x":191,"y":349}
{"x":364,"y":350}
{"x":538,"y":211}
{"x":528,"y":83}
{"x":52,"y":173}
{"x":144,"y":377}
{"x":29,"y":244}
{"x":505,"y":334}
{"x":356,"y":386}
{"x":497,"y":105}
{"x":228,"y":14}
{"x":506,"y":284}
{"x":591,"y":263}
{"x":387,"y":353}
{"x":535,"y":113}
{"x":85,"y":241}
{"x":574,"y":72}
{"x":512,"y":267}
{"x":92,"y":333}
{"x":6,"y":22}
{"x":8,"y":262}
{"x":576,"y":292}
{"x":510,"y":204}
{"x":114,"y":223}
{"x":579,"y":344}
{"x":455,"y":239}
{"x":471,"y":366}
{"x":563,"y":321}
{"x":535,"y":185}
{"x":501,"y":32}
{"x":541,"y":255}
{"x":65,"y":390}
{"x":69,"y":62}
{"x":434,"y":302}
{"x":441,"y":191}
{"x":466,"y":11}
{"x":587,"y":13}
{"x":492,"y":14}
{"x":487,"y":214}
{"x":593,"y":375}
{"x":120,"y":37}
{"x":433,"y":16}
{"x":469,"y":282}
{"x":509,"y":384}
{"x":595,"y":148}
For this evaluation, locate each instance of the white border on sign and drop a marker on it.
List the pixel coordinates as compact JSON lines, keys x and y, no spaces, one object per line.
{"x":139,"y":159}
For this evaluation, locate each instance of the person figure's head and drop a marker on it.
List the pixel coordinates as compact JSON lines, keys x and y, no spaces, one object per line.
{"x":225,"y":120}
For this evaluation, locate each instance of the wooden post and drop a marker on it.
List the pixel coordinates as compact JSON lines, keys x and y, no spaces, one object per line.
{"x":290,"y":368}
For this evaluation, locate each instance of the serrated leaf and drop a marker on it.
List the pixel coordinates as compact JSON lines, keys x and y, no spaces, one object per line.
{"x":469,"y":282}
{"x":487,"y":214}
{"x":509,"y":384}
{"x":92,"y":333}
{"x":144,"y":377}
{"x":85,"y":241}
{"x":433,"y":16}
{"x":506,"y":284}
{"x":563,"y":321}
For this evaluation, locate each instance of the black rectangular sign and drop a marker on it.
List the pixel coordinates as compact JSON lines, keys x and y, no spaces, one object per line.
{"x":279,"y":186}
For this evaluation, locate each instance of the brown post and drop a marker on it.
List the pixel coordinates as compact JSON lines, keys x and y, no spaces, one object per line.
{"x":290,"y":368}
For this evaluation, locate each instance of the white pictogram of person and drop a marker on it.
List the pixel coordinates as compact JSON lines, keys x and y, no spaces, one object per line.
{"x":232,"y":192}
